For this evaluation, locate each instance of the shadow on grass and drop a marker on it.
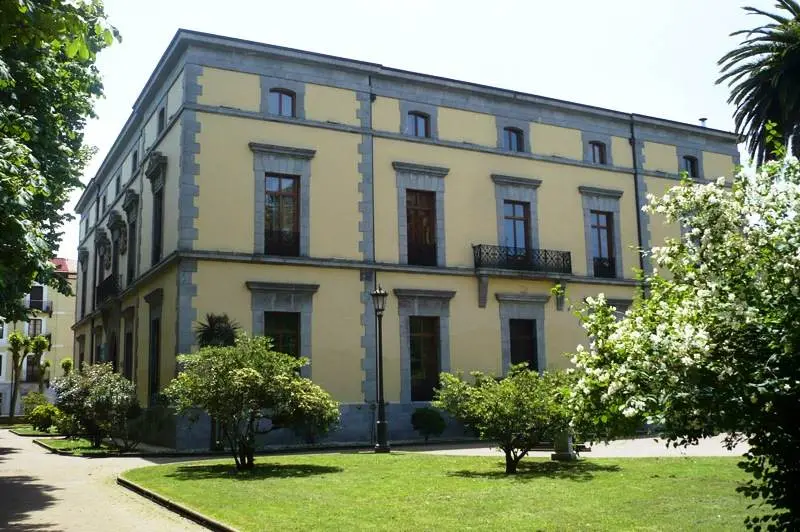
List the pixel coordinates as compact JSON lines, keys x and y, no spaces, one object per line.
{"x":580,"y":471}
{"x":261,"y":471}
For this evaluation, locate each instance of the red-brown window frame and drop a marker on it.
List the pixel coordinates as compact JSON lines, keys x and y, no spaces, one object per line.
{"x":281,"y":93}
{"x":599,"y":152}
{"x":413,"y":127}
{"x":691,"y":166}
{"x":515,"y":134}
{"x":525,"y":219}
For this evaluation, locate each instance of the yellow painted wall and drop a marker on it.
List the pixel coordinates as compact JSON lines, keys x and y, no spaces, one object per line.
{"x":717,"y":164}
{"x":659,"y":229}
{"x":336,"y":323}
{"x":171,"y":147}
{"x":555,"y":140}
{"x":386,"y":114}
{"x":660,"y":157}
{"x":226,"y":184}
{"x":227,"y":88}
{"x":464,"y":126}
{"x":175,"y":96}
{"x":60,"y":326}
{"x":150,"y":132}
{"x":470,"y":209}
{"x":621,"y":152}
{"x":329,"y":104}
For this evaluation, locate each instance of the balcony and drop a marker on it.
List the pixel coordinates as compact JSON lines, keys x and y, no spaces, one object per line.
{"x":605,"y":267}
{"x":45,"y":305}
{"x":282,"y":243}
{"x":522,"y":259}
{"x":107,"y":289}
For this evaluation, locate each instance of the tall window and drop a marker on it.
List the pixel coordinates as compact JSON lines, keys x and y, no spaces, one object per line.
{"x":35,"y":327}
{"x":284,"y":329}
{"x":598,"y":152}
{"x":31,"y":369}
{"x":131,"y":252}
{"x":516,"y":221}
{"x":158,"y":225}
{"x":105,"y":202}
{"x":83,"y":291}
{"x":127,"y":368}
{"x":2,"y":335}
{"x":419,"y":124}
{"x":1,"y":374}
{"x":602,"y":228}
{"x":117,"y":184}
{"x":424,"y":354}
{"x":421,"y":230}
{"x":154,"y":359}
{"x":97,"y":210}
{"x":134,"y":162}
{"x":37,"y":297}
{"x":690,"y":166}
{"x":522,"y":335}
{"x":282,"y":215}
{"x":162,"y":119}
{"x":282,"y":102}
{"x":513,"y":139}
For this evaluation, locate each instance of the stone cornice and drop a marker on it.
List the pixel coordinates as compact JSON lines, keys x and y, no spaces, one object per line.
{"x":597,"y":191}
{"x":514,"y":181}
{"x":294,"y":288}
{"x":420,"y":293}
{"x":285,"y":151}
{"x":436,"y":171}
{"x":522,"y":298}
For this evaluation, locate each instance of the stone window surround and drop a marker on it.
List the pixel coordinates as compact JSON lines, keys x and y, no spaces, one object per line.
{"x":269,"y":83}
{"x":284,"y":160}
{"x":587,"y":138}
{"x":420,"y":177}
{"x":521,"y":306}
{"x":285,"y":297}
{"x":502,"y":123}
{"x":431,"y":303}
{"x":691,"y":152}
{"x":431,"y":110}
{"x":522,"y":189}
{"x":602,"y":199}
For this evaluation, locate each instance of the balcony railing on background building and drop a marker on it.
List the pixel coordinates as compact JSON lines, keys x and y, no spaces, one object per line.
{"x":283,"y":243}
{"x":45,"y":305}
{"x":421,"y":254}
{"x":108,"y":288}
{"x":531,"y":260}
{"x":605,"y":267}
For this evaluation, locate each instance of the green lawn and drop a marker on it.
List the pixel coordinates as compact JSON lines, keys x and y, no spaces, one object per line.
{"x":408,"y":491}
{"x":78,"y":447}
{"x":28,"y":430}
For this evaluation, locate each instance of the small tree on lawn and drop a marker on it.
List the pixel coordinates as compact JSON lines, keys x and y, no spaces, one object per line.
{"x":516,"y":412}
{"x":20,"y":346}
{"x":251,"y":389}
{"x":39,"y":345}
{"x":66,"y":365}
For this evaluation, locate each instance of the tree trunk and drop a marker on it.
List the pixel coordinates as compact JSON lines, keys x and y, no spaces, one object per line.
{"x":245,"y":461}
{"x":511,"y":463}
{"x":14,"y":394}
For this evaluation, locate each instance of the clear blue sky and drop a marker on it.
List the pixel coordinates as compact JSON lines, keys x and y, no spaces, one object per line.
{"x":641,"y":56}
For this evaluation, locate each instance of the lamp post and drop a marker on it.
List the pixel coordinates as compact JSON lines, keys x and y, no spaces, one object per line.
{"x":379,"y":301}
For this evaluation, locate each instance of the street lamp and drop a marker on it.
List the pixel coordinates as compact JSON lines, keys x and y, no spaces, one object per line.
{"x":379,"y":301}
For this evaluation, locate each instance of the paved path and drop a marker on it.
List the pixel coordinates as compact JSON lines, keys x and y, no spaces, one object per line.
{"x":45,"y":492}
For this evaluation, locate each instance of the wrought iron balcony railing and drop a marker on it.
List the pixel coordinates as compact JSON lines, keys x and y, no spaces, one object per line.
{"x":605,"y":267}
{"x":422,"y":254}
{"x":523,"y":259}
{"x":107,"y":289}
{"x":45,"y":305}
{"x":283,"y":243}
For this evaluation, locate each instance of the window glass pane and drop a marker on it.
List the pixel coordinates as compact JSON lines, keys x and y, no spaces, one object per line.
{"x":273,"y":183}
{"x":288,"y":184}
{"x":287,"y":210}
{"x":508,"y":209}
{"x":519,"y":234}
{"x":508,"y":233}
{"x":274,"y":102}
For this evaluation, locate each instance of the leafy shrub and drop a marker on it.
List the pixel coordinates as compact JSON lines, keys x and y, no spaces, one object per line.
{"x":66,"y":365}
{"x":66,"y":424}
{"x":428,"y":422}
{"x":139,"y":425}
{"x":43,"y":417}
{"x":31,"y":401}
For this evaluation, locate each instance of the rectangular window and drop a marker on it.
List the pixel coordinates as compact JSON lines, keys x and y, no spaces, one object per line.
{"x":2,"y":330}
{"x":134,"y":162}
{"x":31,"y":369}
{"x":513,"y":139}
{"x":598,"y":152}
{"x":131,"y":252}
{"x":690,"y":166}
{"x":105,"y":202}
{"x":35,"y":327}
{"x":86,"y":226}
{"x":424,"y":355}
{"x":83,"y":293}
{"x":158,"y":225}
{"x":127,"y":370}
{"x":117,"y":184}
{"x":97,"y":210}
{"x":162,"y":119}
{"x":281,"y":102}
{"x":522,"y":335}
{"x":37,"y":298}
{"x":154,"y":360}
{"x":602,"y":232}
{"x":421,"y":227}
{"x":1,"y":374}
{"x":284,"y":329}
{"x":419,"y":124}
{"x":282,"y":215}
{"x":516,"y":221}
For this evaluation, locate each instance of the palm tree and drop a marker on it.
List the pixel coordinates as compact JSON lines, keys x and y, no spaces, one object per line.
{"x":764,"y":76}
{"x":218,"y":330}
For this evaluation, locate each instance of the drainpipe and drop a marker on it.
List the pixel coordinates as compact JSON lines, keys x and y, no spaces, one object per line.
{"x":635,"y":154}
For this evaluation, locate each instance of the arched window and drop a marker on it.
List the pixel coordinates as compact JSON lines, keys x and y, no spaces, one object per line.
{"x":281,"y":102}
{"x":690,"y":165}
{"x":419,"y":124}
{"x":513,"y":139}
{"x":598,"y":152}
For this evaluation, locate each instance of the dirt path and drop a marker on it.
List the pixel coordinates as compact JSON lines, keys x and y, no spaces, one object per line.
{"x":44,"y":492}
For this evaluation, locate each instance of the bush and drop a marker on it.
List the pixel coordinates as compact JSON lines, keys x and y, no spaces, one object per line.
{"x":31,"y":401}
{"x":43,"y":417}
{"x":67,"y":365}
{"x":139,"y":425}
{"x":66,"y":424}
{"x":428,"y":422}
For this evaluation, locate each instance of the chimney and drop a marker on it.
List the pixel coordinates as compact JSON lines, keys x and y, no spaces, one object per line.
{"x":703,"y":122}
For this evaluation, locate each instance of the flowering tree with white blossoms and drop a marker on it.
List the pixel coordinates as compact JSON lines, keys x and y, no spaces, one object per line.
{"x":715,"y":348}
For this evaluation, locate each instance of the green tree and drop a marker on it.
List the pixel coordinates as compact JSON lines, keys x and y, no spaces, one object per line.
{"x":66,"y":365}
{"x":48,"y":84}
{"x":218,"y":330}
{"x":251,"y":389}
{"x":39,"y":345}
{"x":715,"y":347}
{"x":516,"y":412}
{"x":20,"y":346}
{"x":764,"y":76}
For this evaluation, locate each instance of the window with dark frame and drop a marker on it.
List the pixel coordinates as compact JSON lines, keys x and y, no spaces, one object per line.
{"x":36,"y":298}
{"x":158,"y":225}
{"x":83,"y":292}
{"x":284,"y":329}
{"x":31,"y":369}
{"x":421,"y":227}
{"x":602,"y":232}
{"x":127,"y":368}
{"x":1,"y":374}
{"x":154,"y":360}
{"x":105,"y":202}
{"x":282,"y":102}
{"x":131,"y":270}
{"x":162,"y":119}
{"x":424,"y":356}
{"x":513,"y":139}
{"x":134,"y":162}
{"x":419,"y":124}
{"x":2,"y":333}
{"x":282,"y":215}
{"x":598,"y":152}
{"x":690,"y":165}
{"x":523,"y":347}
{"x":97,"y":210}
{"x":34,"y":327}
{"x":117,"y":184}
{"x":516,"y":224}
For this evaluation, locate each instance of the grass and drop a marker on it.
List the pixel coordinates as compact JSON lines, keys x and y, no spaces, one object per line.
{"x":28,"y":430}
{"x":408,"y":491}
{"x":79,"y":447}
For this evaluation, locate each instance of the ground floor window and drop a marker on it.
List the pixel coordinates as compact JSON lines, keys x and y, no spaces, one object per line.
{"x":522,"y":334}
{"x":284,"y":329}
{"x":424,"y":355}
{"x":155,"y":359}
